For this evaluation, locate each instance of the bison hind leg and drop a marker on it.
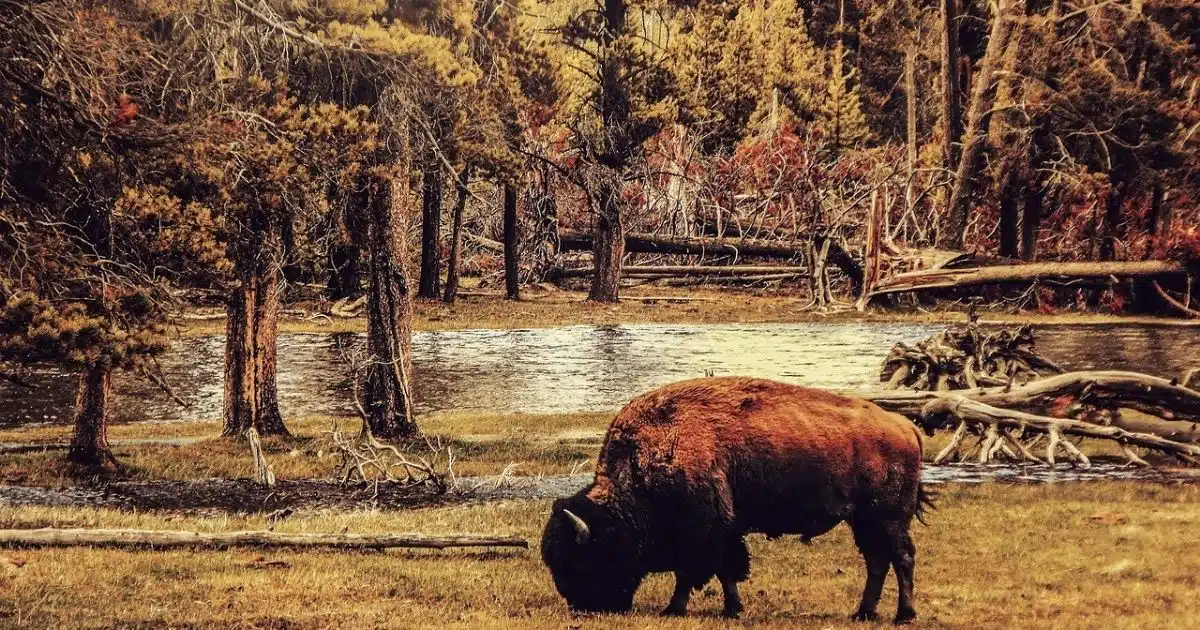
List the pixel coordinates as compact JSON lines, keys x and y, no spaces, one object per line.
{"x":884,"y":544}
{"x":735,"y":567}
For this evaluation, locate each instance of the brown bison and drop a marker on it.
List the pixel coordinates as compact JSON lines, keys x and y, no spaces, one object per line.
{"x":688,"y":470}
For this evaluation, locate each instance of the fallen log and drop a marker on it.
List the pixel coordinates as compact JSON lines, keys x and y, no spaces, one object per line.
{"x":166,"y":539}
{"x":1103,"y":389}
{"x":640,"y":243}
{"x":997,"y":425}
{"x":693,"y":270}
{"x":1004,"y":274}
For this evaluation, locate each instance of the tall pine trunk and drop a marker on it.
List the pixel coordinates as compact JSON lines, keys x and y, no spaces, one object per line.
{"x":89,"y":445}
{"x":1112,"y":219}
{"x":387,"y":402}
{"x":431,"y":225}
{"x":1031,"y":218}
{"x":974,"y":138}
{"x":512,"y":280}
{"x":460,"y":202}
{"x":251,"y":336}
{"x":1010,"y":195}
{"x":910,"y":111}
{"x":951,"y":101}
{"x":268,"y":420}
{"x":608,"y":246}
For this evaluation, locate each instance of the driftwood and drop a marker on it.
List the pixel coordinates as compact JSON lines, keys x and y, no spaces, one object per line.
{"x":1004,"y":274}
{"x":1082,"y":404}
{"x":165,"y":539}
{"x":964,"y":357}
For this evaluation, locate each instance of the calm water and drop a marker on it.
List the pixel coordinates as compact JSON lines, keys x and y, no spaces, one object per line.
{"x":579,"y":368}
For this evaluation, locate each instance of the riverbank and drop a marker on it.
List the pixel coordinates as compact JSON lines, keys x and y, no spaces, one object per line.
{"x":546,"y":307}
{"x":1106,"y":554}
{"x":483,"y":445}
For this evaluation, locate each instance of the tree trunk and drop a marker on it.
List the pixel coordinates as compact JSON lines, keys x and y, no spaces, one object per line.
{"x":177,"y":539}
{"x":1031,"y":218}
{"x":1158,"y":224}
{"x":387,"y":401}
{"x":431,"y":225}
{"x":512,"y":280}
{"x":951,"y":102}
{"x":241,"y":404}
{"x":251,"y":336}
{"x":1112,"y":220}
{"x":975,"y":136}
{"x":910,"y":99}
{"x":460,"y":202}
{"x":345,"y":279}
{"x":608,"y":246}
{"x":1009,"y":234}
{"x":89,"y":446}
{"x":268,"y":420}
{"x":543,"y":244}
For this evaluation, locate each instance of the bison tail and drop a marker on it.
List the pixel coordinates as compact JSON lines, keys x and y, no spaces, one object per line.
{"x":925,"y":503}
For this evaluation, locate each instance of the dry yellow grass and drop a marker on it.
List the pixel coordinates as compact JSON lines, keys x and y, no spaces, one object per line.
{"x":1098,"y":555}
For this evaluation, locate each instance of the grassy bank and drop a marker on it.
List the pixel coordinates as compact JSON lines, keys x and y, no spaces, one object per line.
{"x":650,"y":305}
{"x":482,"y":443}
{"x":1112,"y":555}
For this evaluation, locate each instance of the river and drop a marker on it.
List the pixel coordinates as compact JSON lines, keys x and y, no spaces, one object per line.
{"x":575,"y":368}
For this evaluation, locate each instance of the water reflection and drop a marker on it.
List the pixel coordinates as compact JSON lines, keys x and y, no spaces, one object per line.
{"x":577,"y":368}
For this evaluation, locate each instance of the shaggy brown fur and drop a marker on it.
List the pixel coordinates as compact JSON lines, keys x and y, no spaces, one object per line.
{"x":687,"y":470}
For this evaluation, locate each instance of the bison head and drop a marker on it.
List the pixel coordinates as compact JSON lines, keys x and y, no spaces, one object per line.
{"x":592,"y":556}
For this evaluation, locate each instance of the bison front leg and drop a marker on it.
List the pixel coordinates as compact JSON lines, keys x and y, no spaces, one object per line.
{"x":679,"y":599}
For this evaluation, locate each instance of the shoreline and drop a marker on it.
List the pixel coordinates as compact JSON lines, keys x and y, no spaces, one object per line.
{"x":554,"y":308}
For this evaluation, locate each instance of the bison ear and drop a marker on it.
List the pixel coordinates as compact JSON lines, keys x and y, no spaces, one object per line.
{"x":583,"y":533}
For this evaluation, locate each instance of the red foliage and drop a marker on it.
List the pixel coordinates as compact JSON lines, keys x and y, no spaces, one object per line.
{"x":126,"y":112}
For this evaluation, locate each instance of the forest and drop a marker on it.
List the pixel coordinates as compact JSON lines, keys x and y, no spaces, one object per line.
{"x":371,"y":153}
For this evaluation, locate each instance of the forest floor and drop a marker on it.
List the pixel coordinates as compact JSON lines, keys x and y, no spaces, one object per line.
{"x":544,"y":306}
{"x":1101,"y":554}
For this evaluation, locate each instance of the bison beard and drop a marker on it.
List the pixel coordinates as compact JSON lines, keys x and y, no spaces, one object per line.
{"x":688,"y":470}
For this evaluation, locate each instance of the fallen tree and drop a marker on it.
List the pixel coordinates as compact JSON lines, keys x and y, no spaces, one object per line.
{"x":166,"y":539}
{"x":1084,"y":404}
{"x":639,"y":243}
{"x":1103,"y":272}
{"x":646,"y":271}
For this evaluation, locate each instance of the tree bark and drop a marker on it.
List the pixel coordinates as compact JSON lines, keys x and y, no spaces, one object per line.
{"x":1112,"y":219}
{"x":460,"y":202}
{"x":1031,"y":218}
{"x":910,"y":100}
{"x":241,"y":404}
{"x":387,"y":401}
{"x":975,"y":136}
{"x":251,"y":337}
{"x":512,"y":280}
{"x":1158,"y":224}
{"x":431,"y":225}
{"x":608,"y":246}
{"x":1010,"y":194}
{"x":268,"y":420}
{"x":951,"y":102}
{"x":89,"y":445}
{"x":345,"y":278}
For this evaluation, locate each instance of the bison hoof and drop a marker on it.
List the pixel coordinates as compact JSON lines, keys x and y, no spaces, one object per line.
{"x":672,"y":611}
{"x":905,"y":617}
{"x":865,"y":616}
{"x":732,"y":612}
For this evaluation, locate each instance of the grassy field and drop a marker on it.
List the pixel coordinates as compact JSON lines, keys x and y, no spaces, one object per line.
{"x":1095,"y":555}
{"x":539,"y":309}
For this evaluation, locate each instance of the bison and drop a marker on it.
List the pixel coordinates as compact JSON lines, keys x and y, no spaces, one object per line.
{"x":687,"y":470}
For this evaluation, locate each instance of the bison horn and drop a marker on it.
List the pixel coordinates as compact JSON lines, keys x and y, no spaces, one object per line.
{"x":582,"y":531}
